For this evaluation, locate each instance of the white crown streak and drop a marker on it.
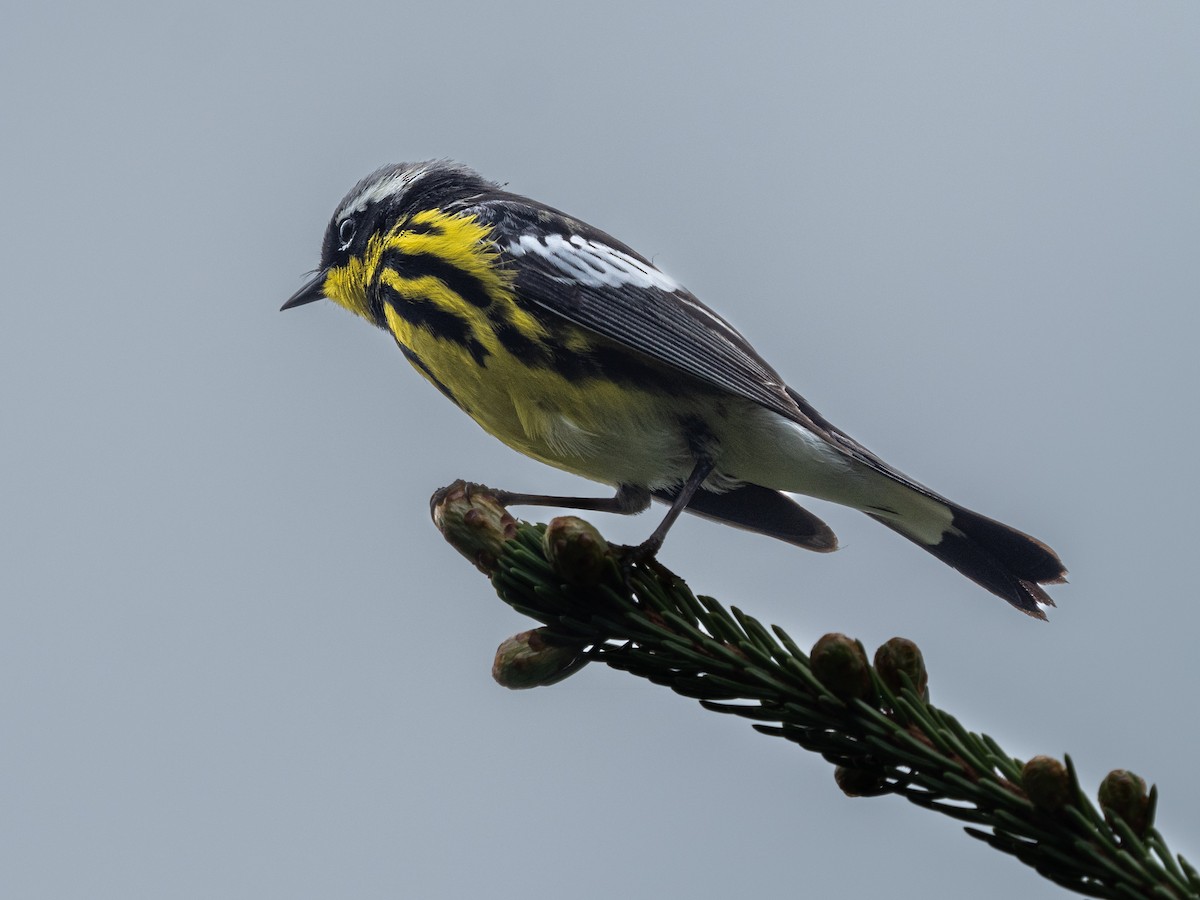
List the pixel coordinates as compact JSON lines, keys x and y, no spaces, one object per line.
{"x":391,"y":185}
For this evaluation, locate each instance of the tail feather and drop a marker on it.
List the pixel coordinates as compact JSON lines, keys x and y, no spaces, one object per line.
{"x":1001,"y":559}
{"x":1007,"y":562}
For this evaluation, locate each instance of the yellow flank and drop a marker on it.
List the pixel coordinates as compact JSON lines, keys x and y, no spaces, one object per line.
{"x":571,"y":424}
{"x":465,"y":244}
{"x":428,"y":289}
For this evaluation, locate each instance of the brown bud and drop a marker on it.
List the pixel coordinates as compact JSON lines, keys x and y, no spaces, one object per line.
{"x":575,"y":549}
{"x":1124,"y":794}
{"x":531,"y":659}
{"x":474,"y":523}
{"x":868,"y":781}
{"x":1046,"y":783}
{"x":900,"y":655}
{"x":840,"y":664}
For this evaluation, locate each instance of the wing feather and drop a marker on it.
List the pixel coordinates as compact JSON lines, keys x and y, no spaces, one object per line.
{"x":595,"y":282}
{"x":573,"y":270}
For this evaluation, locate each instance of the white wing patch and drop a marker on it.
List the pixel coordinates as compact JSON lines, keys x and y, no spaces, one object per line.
{"x":591,"y":263}
{"x":599,"y":265}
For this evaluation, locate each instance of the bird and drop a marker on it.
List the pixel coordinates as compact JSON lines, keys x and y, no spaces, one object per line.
{"x":573,"y":349}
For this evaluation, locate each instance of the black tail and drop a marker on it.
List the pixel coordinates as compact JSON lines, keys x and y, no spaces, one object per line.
{"x":1007,"y":562}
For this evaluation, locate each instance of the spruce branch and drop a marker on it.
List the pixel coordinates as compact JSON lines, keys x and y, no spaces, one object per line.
{"x":873,"y":722}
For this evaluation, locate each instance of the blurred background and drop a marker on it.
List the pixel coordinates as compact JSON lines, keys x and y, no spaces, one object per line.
{"x":237,"y":661}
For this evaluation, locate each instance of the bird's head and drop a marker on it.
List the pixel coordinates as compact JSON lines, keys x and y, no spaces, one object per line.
{"x":375,"y":208}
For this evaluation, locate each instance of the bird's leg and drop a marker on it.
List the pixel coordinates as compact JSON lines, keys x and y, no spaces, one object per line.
{"x":629,"y":500}
{"x":648,"y":548}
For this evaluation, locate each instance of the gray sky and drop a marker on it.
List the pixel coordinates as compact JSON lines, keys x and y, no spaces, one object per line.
{"x":236,"y":660}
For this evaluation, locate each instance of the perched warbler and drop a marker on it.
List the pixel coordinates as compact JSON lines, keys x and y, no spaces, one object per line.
{"x":575,"y":350}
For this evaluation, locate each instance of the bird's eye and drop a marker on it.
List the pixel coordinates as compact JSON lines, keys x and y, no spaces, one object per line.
{"x":346,"y":232}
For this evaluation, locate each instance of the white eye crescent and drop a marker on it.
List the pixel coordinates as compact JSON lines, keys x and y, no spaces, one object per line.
{"x":346,"y":232}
